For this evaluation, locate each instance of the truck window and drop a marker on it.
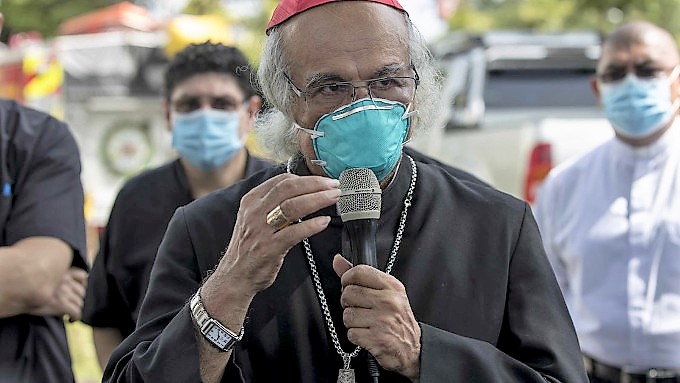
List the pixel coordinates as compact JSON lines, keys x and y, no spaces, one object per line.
{"x":539,"y":88}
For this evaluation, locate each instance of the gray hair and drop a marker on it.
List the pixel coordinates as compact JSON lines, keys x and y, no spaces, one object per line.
{"x":275,"y":127}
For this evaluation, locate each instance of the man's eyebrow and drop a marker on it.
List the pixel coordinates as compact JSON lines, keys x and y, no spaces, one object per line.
{"x":320,"y":78}
{"x":388,"y":70}
{"x":647,"y":62}
{"x":620,"y":65}
{"x":615,"y":66}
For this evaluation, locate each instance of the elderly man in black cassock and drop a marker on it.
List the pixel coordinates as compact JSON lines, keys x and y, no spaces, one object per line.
{"x":249,"y":284}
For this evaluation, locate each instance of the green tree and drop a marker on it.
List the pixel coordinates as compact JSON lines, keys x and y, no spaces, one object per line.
{"x":558,"y":15}
{"x":205,"y":7}
{"x":44,"y":16}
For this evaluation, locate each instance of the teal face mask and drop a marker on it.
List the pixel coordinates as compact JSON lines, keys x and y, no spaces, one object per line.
{"x":368,"y":133}
{"x":207,"y":139}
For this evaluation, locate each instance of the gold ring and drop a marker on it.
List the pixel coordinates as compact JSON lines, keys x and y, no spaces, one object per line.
{"x":277,"y":219}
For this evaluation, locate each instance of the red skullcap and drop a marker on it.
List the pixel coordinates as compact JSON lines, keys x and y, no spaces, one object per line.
{"x":289,"y":8}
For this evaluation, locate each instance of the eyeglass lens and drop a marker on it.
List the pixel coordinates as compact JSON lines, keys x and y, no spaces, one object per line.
{"x":328,"y":96}
{"x":642,"y":71}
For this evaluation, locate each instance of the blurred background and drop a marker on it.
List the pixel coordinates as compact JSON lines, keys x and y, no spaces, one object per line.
{"x":516,"y":98}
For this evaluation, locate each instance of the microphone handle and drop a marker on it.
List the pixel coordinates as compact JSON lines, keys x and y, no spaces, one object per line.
{"x":362,"y":233}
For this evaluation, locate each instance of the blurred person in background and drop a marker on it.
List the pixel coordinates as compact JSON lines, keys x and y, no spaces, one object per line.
{"x":209,"y":106}
{"x":610,"y":220}
{"x":248,"y":284}
{"x":42,"y":244}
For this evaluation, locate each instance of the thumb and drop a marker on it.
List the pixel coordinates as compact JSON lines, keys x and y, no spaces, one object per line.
{"x":340,"y":264}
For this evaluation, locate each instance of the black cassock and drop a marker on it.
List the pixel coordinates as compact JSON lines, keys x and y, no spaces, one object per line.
{"x":471,"y":260}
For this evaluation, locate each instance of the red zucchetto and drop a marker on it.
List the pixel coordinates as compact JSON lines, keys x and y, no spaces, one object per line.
{"x":289,"y":8}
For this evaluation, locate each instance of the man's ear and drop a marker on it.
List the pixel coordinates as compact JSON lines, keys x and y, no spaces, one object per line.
{"x":595,"y":87}
{"x":166,"y":113}
{"x":254,"y":105}
{"x":675,"y":85}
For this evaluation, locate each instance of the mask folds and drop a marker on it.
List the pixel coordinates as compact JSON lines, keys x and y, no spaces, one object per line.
{"x":638,"y":108}
{"x":368,"y":133}
{"x":207,"y":139}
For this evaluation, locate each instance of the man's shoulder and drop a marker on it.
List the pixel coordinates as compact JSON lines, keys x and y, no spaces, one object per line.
{"x":147,"y":179}
{"x":468,"y":207}
{"x":157,"y":174}
{"x":256,"y":164}
{"x":455,"y":172}
{"x":468,"y":194}
{"x":16,"y":116}
{"x":160,"y":185}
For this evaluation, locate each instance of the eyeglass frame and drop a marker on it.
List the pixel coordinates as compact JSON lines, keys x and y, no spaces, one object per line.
{"x":367,"y":84}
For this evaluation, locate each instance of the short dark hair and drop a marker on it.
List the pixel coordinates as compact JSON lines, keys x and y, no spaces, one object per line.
{"x":209,"y":58}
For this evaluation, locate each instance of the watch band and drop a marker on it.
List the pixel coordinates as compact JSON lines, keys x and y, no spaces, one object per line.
{"x":214,"y":332}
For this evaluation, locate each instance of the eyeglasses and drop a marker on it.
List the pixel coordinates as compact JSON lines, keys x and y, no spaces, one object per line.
{"x":190,"y":103}
{"x":327,"y":97}
{"x":644,"y":71}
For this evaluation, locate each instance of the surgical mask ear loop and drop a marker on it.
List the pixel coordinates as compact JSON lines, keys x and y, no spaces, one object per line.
{"x":674,"y":73}
{"x":406,"y":115}
{"x":314,"y":134}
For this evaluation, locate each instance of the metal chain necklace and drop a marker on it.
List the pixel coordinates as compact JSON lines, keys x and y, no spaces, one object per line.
{"x":346,"y":374}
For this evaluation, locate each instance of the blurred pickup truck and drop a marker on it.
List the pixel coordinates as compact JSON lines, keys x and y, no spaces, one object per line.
{"x":515,"y":104}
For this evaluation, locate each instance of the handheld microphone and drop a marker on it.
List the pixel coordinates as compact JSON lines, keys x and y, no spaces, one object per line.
{"x":359,"y":209}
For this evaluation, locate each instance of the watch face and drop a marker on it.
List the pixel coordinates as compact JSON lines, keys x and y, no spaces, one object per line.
{"x":219,"y":337}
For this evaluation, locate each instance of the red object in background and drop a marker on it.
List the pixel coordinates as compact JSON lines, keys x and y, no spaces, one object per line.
{"x":121,"y":16}
{"x":540,"y":163}
{"x":12,"y":80}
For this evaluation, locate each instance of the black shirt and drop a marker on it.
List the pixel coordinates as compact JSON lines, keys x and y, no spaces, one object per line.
{"x":471,"y":261}
{"x":138,"y":219}
{"x":41,"y":195}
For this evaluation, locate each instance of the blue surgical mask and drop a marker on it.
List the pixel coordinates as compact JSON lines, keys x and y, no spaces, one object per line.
{"x":208,"y":138}
{"x":638,"y":108}
{"x":368,"y":133}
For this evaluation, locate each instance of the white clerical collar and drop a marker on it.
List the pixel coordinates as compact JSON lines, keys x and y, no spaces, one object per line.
{"x":668,"y":142}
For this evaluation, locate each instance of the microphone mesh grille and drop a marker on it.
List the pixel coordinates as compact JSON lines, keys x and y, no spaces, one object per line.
{"x":361,"y":195}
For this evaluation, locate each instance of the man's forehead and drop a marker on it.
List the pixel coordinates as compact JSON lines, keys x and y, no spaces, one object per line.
{"x":353,"y":41}
{"x":636,"y":44}
{"x":208,"y":83}
{"x":636,"y":53}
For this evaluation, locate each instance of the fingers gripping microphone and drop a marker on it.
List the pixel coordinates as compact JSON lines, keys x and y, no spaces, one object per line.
{"x":359,"y":209}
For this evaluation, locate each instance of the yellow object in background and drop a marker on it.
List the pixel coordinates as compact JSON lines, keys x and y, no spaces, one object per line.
{"x":44,"y":74}
{"x":187,"y":29}
{"x":83,"y":355}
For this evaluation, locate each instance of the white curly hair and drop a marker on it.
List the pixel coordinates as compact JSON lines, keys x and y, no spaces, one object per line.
{"x":275,"y":128}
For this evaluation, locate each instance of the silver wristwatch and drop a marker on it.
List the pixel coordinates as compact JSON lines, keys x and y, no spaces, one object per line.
{"x":216,"y":333}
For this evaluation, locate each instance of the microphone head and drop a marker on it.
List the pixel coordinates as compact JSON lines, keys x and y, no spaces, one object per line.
{"x":361,"y":195}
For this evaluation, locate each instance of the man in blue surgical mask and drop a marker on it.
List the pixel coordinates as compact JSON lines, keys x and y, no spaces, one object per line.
{"x":610,"y":220}
{"x":210,"y":105}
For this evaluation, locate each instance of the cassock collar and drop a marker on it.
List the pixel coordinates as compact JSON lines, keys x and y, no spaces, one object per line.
{"x":656,"y":151}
